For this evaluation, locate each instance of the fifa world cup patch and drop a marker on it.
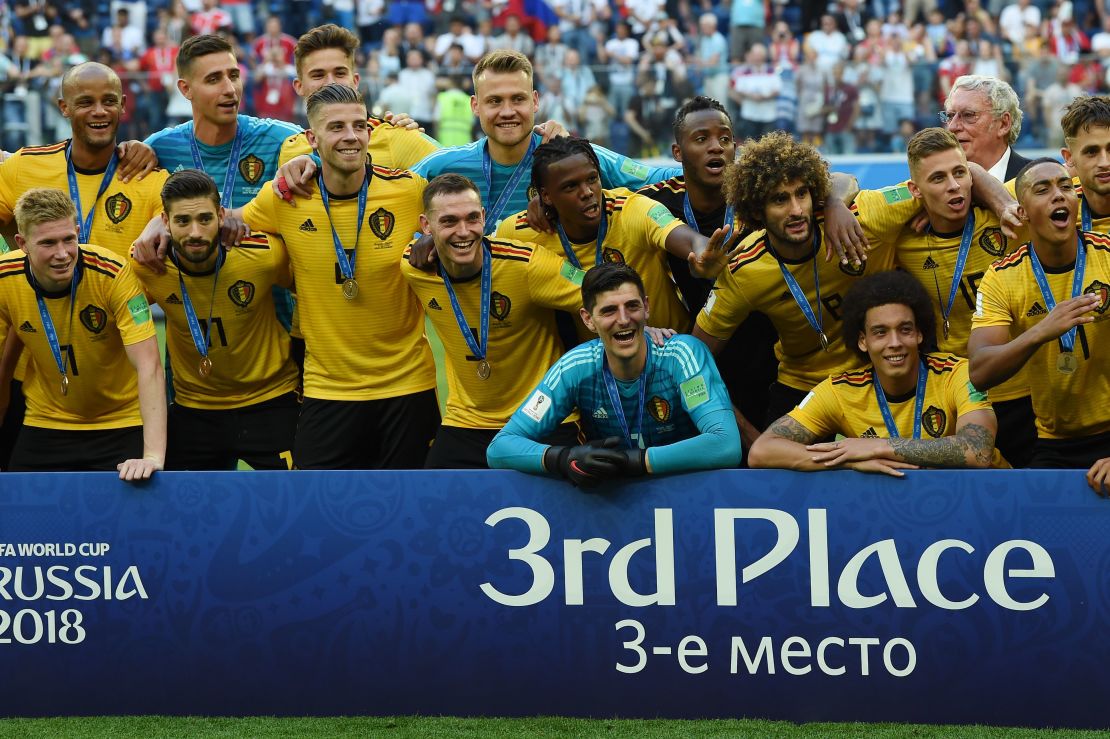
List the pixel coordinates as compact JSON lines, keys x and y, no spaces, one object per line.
{"x":634,"y":169}
{"x":569,"y":272}
{"x":140,"y":309}
{"x":694,"y":392}
{"x":661,"y":215}
{"x":537,"y":406}
{"x":896,"y":194}
{"x":974,"y":394}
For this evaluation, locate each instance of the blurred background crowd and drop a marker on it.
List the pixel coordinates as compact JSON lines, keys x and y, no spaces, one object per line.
{"x":852,"y":76}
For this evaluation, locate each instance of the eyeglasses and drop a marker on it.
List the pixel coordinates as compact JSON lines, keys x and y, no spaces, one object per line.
{"x":967,"y":117}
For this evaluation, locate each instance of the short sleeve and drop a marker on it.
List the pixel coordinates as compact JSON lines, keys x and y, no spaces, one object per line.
{"x":819,"y":411}
{"x":130,"y":307}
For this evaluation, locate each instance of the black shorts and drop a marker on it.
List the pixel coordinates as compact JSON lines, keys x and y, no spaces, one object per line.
{"x":62,"y":450}
{"x":261,"y":435}
{"x":457,"y":448}
{"x":386,"y":434}
{"x":781,"y":399}
{"x":748,"y":366}
{"x":1079,"y":453}
{"x":13,"y":421}
{"x":1017,"y":430}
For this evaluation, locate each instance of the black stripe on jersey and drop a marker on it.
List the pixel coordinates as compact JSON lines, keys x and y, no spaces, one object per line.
{"x":13,"y":267}
{"x":857,"y":378}
{"x":515,"y":249}
{"x":1012,"y":260}
{"x":674,"y":184}
{"x":391,"y":174}
{"x":35,"y":151}
{"x":100,"y":258}
{"x":615,"y":205}
{"x":941,"y":363}
{"x":521,"y":222}
{"x":1097,"y":240}
{"x":751,"y":254}
{"x":255,"y":242}
{"x":101,"y":270}
{"x":512,"y":257}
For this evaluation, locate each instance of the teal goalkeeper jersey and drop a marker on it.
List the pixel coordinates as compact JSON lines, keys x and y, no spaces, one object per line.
{"x":687,"y":420}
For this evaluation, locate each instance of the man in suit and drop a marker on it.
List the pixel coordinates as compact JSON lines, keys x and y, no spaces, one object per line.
{"x":984,"y":115}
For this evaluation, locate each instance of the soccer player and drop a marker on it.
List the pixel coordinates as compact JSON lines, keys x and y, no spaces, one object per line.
{"x":87,"y":409}
{"x":950,"y":258}
{"x":493,"y":303}
{"x":650,"y":409}
{"x":112,"y":209}
{"x":777,"y":184}
{"x":326,"y":54}
{"x":1044,"y":307}
{"x":1086,"y":152}
{"x":234,"y":381}
{"x":910,"y":407}
{"x":595,"y":225}
{"x":369,"y":377}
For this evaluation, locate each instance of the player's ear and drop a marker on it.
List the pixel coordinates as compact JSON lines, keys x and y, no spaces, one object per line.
{"x":165,"y":221}
{"x":862,"y":343}
{"x":63,"y":107}
{"x":647,"y":308}
{"x":913,"y":188}
{"x":310,"y":135}
{"x":183,"y":88}
{"x":676,"y":153}
{"x":21,"y":243}
{"x":587,"y":319}
{"x":425,"y":225}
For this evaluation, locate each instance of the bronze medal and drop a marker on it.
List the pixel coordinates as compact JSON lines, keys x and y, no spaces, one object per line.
{"x":483,"y":370}
{"x":1065,"y":363}
{"x":824,"y":341}
{"x":205,"y":366}
{"x":946,"y":328}
{"x":65,"y":385}
{"x":350,"y":288}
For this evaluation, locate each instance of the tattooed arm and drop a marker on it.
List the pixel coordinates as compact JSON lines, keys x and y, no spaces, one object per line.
{"x":783,"y":446}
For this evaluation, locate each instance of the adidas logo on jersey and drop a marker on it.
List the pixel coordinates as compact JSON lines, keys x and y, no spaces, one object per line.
{"x":600,"y":413}
{"x":929,"y":264}
{"x":434,"y":304}
{"x":308,"y":225}
{"x":1036,"y":310}
{"x":173,"y":299}
{"x":870,"y":433}
{"x":27,"y":328}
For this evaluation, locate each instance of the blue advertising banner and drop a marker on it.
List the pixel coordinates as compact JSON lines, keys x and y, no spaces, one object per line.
{"x":947,"y":597}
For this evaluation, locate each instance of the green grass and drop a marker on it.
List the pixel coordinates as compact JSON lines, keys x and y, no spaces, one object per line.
{"x":160,"y":726}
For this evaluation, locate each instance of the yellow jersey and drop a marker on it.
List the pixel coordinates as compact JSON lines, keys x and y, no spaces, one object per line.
{"x":528,"y":285}
{"x":636,"y":235}
{"x":390,"y":147}
{"x":110,"y":312}
{"x":372,"y":346}
{"x":247,"y":346}
{"x":1066,"y":405}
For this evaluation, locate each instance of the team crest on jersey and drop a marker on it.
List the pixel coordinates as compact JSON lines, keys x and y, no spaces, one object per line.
{"x":381,"y":223}
{"x":93,"y":318}
{"x":1102,"y":290}
{"x":499,"y":306}
{"x":933,"y":421}
{"x":251,"y":167}
{"x":993,"y":242}
{"x":241,"y":293}
{"x":533,"y":192}
{"x":852,"y":269}
{"x":659,"y":409}
{"x":117,"y":207}
{"x":612,"y":255}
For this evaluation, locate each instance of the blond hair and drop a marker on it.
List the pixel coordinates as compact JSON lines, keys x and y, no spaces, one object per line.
{"x":42,"y":205}
{"x":502,"y":61}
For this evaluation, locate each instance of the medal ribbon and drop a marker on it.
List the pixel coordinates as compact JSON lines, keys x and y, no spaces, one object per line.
{"x":228,"y":191}
{"x":817,"y":323}
{"x":618,"y":405}
{"x":1067,"y":341}
{"x":1085,"y":213}
{"x":48,"y":323}
{"x":692,"y":220}
{"x":961,"y":260}
{"x":918,"y":403}
{"x":602,"y":229}
{"x":493,"y":212}
{"x":200,"y":339}
{"x":477,"y":348}
{"x":84,"y":221}
{"x":346,"y":266}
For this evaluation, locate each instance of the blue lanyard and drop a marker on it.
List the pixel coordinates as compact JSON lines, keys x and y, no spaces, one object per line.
{"x":602,"y":229}
{"x":692,"y":220}
{"x":1067,"y":341}
{"x":1085,"y":213}
{"x":228,"y":192}
{"x":618,"y":405}
{"x":48,"y":323}
{"x":84,"y":221}
{"x":817,"y":323}
{"x":493,"y":212}
{"x":200,"y":339}
{"x":477,"y":348}
{"x":918,"y":403}
{"x":346,"y":267}
{"x":961,"y":260}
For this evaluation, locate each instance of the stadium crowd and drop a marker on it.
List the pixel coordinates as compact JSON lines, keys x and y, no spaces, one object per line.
{"x":849,"y":76}
{"x":953,"y":320}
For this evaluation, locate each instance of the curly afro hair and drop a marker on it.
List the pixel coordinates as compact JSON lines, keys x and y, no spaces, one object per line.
{"x":774,"y":160}
{"x":887,"y":288}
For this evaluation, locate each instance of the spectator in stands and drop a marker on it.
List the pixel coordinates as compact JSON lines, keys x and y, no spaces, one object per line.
{"x":642,"y":13}
{"x":455,"y":63}
{"x":390,"y":53}
{"x":33,"y":19}
{"x":746,"y":26}
{"x":785,"y":51}
{"x":944,"y":43}
{"x":210,"y":19}
{"x":1066,"y":41}
{"x":551,"y":55}
{"x":811,"y":98}
{"x":124,"y":40}
{"x":274,"y":36}
{"x":554,"y":104}
{"x":370,"y":18}
{"x":952,"y":68}
{"x":412,"y":37}
{"x":622,"y":51}
{"x":273,"y":86}
{"x":1054,"y":100}
{"x":649,"y":118}
{"x":454,"y":120}
{"x":989,"y":62}
{"x":595,"y":115}
{"x":514,"y":38}
{"x":21,"y":73}
{"x":459,"y":33}
{"x":1016,"y":18}
{"x":711,"y":58}
{"x":841,"y":112}
{"x":869,"y":80}
{"x":178,"y":26}
{"x":159,"y":64}
{"x":755,"y":87}
{"x":830,"y":44}
{"x":421,"y":84}
{"x":985,"y":116}
{"x":576,"y":81}
{"x":575,"y":19}
{"x":896,"y":95}
{"x":852,"y":21}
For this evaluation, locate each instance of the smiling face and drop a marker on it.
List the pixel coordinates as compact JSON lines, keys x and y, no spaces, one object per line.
{"x":943,"y":183}
{"x":214,"y":87}
{"x":93,"y":102}
{"x":323,"y":67}
{"x":506,"y":106}
{"x":618,"y":318}
{"x":572,"y":186}
{"x":456,"y":222}
{"x":1088,"y":154}
{"x":705,"y":147}
{"x":51,"y":252}
{"x":892,"y":341}
{"x":340,"y":134}
{"x":1049,"y":202}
